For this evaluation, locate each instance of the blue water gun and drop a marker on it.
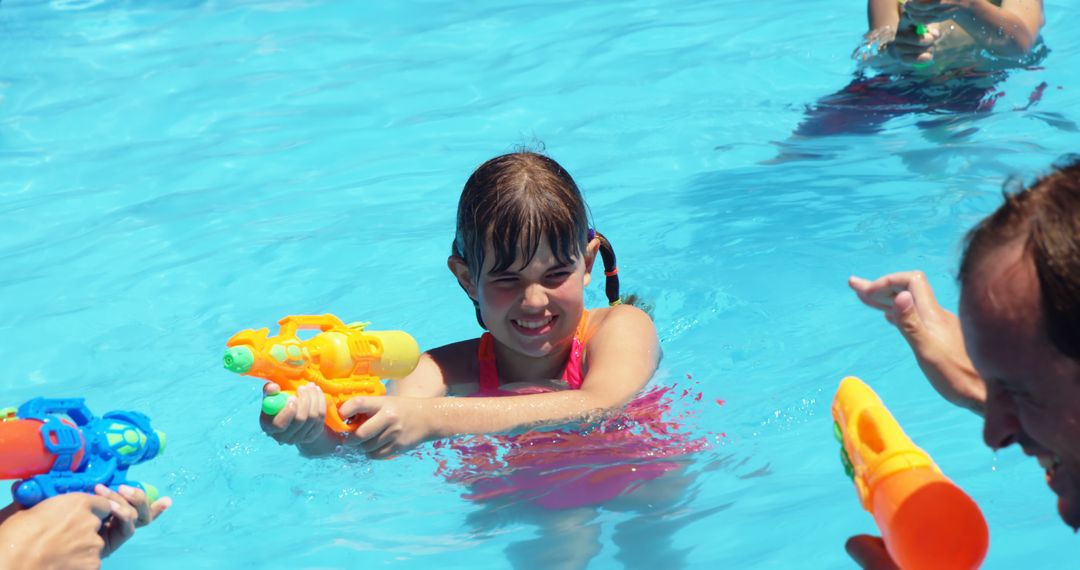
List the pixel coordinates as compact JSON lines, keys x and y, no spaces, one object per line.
{"x":58,"y":446}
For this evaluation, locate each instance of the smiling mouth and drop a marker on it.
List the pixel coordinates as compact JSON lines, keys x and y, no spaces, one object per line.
{"x":534,"y":326}
{"x":1050,"y":463}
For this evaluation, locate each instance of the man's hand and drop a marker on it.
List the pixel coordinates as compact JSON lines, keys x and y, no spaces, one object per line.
{"x":60,"y":533}
{"x":933,"y":333}
{"x":869,"y":553}
{"x":130,"y":510}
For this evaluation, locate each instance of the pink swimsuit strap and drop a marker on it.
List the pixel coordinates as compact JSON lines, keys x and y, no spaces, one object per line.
{"x":572,"y":374}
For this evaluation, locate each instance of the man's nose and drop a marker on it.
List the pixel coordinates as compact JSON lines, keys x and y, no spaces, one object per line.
{"x":1001,"y":427}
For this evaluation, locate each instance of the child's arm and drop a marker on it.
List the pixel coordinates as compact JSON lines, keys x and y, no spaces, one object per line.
{"x":883,"y":14}
{"x":1009,"y":30}
{"x":623,"y":354}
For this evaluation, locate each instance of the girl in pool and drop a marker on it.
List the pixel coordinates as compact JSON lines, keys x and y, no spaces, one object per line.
{"x":523,"y":252}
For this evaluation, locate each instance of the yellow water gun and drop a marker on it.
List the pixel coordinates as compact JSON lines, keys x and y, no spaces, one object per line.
{"x":344,"y":360}
{"x":926,"y":521}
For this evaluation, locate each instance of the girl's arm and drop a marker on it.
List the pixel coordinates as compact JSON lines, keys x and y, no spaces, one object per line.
{"x":623,"y":354}
{"x":425,"y":381}
{"x":1008,"y":30}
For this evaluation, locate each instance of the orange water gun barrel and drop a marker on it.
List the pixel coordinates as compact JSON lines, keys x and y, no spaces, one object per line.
{"x":926,"y":521}
{"x":22,"y":450}
{"x":344,"y":360}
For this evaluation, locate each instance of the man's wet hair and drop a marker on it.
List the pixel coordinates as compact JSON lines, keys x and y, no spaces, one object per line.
{"x":1046,"y":215}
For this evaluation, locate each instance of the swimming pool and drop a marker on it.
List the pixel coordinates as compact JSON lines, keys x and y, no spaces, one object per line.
{"x":175,"y":172}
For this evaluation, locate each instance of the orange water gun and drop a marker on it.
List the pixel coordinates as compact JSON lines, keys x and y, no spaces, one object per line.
{"x":926,"y":521}
{"x":344,"y":360}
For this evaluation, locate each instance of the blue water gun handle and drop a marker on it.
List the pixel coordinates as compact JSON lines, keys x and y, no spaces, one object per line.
{"x":113,"y":443}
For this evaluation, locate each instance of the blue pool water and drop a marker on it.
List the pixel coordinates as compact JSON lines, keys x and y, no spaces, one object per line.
{"x":174,"y":172}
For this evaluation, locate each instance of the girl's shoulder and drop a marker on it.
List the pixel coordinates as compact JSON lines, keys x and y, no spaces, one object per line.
{"x":620,"y":317}
{"x":458,"y":361}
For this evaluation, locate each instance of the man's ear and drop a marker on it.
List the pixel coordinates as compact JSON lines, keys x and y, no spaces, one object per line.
{"x":591,"y":249}
{"x":460,"y":269}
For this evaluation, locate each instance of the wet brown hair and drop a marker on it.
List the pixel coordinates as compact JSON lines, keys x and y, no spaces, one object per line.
{"x":514,"y":200}
{"x":511,"y":202}
{"x":1046,"y":216}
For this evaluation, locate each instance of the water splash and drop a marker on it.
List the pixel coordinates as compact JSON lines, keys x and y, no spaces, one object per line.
{"x":569,"y":468}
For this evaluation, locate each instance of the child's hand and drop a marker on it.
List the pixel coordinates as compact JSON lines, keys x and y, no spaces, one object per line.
{"x":395,"y":424}
{"x":910,"y":48}
{"x":933,"y":333}
{"x":301,"y":420}
{"x":59,"y":533}
{"x":130,"y":510}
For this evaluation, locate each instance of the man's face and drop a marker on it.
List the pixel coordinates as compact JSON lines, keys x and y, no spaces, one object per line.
{"x":1033,"y":390}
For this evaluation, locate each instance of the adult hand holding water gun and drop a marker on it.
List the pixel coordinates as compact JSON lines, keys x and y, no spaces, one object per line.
{"x":75,"y":504}
{"x":310,"y":379}
{"x":926,"y":521}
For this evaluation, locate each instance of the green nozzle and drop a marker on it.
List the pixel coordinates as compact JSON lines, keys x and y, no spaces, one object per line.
{"x":151,"y":491}
{"x":920,"y":29}
{"x":239,"y":359}
{"x":273,"y":404}
{"x":161,"y":441}
{"x":849,"y":470}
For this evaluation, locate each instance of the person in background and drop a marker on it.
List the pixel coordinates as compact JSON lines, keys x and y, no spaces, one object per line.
{"x":1013,"y":354}
{"x":955,"y":34}
{"x":942,"y":58}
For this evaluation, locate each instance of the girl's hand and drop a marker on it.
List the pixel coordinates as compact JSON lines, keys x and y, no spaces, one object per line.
{"x":933,"y":333}
{"x":395,"y":424}
{"x":301,"y":420}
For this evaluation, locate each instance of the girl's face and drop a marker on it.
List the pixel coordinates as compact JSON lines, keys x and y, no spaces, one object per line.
{"x":534,"y":310}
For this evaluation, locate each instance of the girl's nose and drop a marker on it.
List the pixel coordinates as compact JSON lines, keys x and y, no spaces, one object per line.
{"x":535,"y":296}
